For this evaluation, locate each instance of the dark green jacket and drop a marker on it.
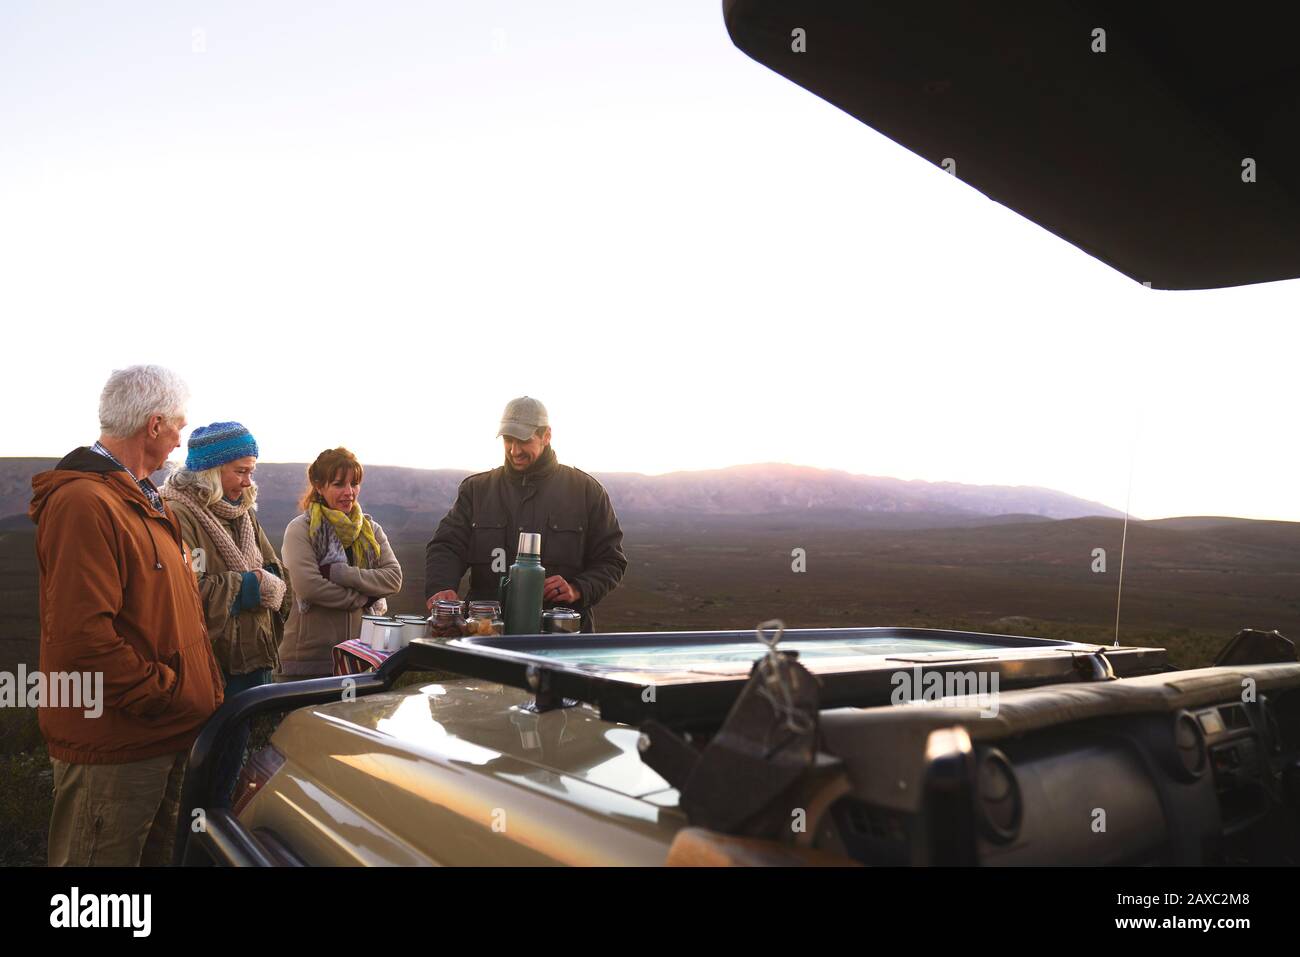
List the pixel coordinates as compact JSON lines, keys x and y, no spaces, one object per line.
{"x":581,"y":538}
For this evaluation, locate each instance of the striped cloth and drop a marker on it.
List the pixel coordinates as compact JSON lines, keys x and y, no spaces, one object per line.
{"x":354,"y":657}
{"x":146,"y":485}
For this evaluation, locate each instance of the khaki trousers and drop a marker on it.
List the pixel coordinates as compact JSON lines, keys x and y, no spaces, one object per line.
{"x":116,"y":815}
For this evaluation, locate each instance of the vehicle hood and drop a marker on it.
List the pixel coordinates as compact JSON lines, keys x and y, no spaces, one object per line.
{"x":478,"y":723}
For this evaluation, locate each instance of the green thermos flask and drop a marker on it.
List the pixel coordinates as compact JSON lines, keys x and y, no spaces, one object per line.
{"x":521,"y":591}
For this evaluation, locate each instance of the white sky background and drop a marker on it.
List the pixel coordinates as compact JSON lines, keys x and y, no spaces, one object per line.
{"x":373,"y":224}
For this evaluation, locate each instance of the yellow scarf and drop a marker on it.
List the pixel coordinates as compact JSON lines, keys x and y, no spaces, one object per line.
{"x":350,"y":528}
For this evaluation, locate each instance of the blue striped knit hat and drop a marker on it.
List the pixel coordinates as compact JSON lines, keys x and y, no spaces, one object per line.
{"x":217,"y":444}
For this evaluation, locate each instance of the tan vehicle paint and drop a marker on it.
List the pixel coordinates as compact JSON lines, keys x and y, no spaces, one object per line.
{"x":462,"y":773}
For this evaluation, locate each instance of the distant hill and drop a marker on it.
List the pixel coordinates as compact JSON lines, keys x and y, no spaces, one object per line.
{"x":1259,"y":533}
{"x":410,"y":501}
{"x":759,"y":489}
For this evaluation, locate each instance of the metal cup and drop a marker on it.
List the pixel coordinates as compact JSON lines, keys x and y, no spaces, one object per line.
{"x":561,"y":621}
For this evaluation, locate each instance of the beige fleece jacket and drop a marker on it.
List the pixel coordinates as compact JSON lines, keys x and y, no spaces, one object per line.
{"x":335,"y":605}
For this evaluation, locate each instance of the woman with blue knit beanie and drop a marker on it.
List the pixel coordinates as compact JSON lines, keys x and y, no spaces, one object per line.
{"x":246,"y":594}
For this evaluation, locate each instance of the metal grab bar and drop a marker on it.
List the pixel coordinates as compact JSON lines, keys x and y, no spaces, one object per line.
{"x":198,"y":792}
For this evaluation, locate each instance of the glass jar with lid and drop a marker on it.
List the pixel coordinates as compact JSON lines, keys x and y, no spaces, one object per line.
{"x":447,"y":620}
{"x":484,"y":619}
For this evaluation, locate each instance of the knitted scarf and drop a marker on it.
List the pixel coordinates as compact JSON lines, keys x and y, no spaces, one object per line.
{"x":240,"y":552}
{"x":352,"y":528}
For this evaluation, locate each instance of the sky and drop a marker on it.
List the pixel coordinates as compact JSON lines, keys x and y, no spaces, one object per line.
{"x":372,"y":224}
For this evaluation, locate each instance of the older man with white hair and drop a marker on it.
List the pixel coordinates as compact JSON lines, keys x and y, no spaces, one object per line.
{"x":120,"y":604}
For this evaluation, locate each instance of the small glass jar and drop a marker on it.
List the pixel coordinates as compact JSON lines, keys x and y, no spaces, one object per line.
{"x":447,"y":620}
{"x":484,"y":619}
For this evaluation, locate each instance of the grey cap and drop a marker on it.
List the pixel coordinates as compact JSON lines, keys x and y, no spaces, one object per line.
{"x":523,"y":416}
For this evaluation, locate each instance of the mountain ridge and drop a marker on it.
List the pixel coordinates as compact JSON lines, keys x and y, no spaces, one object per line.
{"x":745,"y":489}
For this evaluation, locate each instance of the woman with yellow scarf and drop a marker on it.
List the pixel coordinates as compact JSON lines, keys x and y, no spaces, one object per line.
{"x":340,"y":566}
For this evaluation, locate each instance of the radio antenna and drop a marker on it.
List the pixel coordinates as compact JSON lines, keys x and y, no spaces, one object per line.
{"x":1123,"y":542}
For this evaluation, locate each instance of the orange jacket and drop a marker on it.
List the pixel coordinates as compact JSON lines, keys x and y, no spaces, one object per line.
{"x":119,"y":598}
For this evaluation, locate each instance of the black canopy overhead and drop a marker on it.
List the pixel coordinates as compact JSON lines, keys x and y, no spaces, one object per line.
{"x":1139,"y":155}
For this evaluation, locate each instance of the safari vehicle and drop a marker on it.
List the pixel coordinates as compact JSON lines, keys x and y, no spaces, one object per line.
{"x":834,"y":746}
{"x":1124,"y":129}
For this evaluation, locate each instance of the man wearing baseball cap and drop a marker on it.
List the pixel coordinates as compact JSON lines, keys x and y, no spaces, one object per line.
{"x":582,"y":544}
